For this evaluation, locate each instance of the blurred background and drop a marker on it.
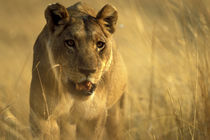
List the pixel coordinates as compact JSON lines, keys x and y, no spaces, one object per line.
{"x":165,"y":45}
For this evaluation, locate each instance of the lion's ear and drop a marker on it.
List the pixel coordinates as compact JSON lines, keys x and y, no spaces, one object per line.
{"x":107,"y":16}
{"x":56,"y":15}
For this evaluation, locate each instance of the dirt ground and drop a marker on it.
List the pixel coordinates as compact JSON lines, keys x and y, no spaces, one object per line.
{"x":165,"y":45}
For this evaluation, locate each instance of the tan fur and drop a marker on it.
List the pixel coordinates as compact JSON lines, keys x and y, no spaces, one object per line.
{"x":57,"y":67}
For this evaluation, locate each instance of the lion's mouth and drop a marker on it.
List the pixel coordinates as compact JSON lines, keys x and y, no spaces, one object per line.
{"x":83,"y":88}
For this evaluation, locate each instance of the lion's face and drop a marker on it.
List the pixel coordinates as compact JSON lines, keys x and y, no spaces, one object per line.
{"x":81,"y":45}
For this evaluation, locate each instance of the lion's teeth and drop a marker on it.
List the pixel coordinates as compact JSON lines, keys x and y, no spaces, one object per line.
{"x":87,"y":85}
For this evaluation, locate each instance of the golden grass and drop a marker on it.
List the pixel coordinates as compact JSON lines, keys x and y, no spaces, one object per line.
{"x":165,"y":45}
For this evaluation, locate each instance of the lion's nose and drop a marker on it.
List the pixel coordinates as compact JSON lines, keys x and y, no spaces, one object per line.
{"x":87,"y":71}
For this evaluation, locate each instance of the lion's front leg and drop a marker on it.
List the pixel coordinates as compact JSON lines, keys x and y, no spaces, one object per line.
{"x":92,"y":129}
{"x":67,"y":129}
{"x":115,"y":121}
{"x":44,"y":129}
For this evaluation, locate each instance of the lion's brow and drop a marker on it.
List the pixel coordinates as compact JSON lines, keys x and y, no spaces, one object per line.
{"x":87,"y":34}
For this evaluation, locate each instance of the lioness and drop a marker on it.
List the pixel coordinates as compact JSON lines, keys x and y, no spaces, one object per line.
{"x":78,"y":75}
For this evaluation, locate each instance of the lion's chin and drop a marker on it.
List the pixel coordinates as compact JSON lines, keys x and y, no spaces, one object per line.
{"x":84,"y":88}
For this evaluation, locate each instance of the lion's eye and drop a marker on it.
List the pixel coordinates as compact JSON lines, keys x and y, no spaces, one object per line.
{"x":100,"y":45}
{"x":70,"y":43}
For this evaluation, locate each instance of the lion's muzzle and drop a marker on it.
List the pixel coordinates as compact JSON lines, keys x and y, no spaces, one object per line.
{"x":86,"y":87}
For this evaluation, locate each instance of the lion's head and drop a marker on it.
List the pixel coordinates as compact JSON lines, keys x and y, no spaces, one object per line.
{"x":80,"y":42}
